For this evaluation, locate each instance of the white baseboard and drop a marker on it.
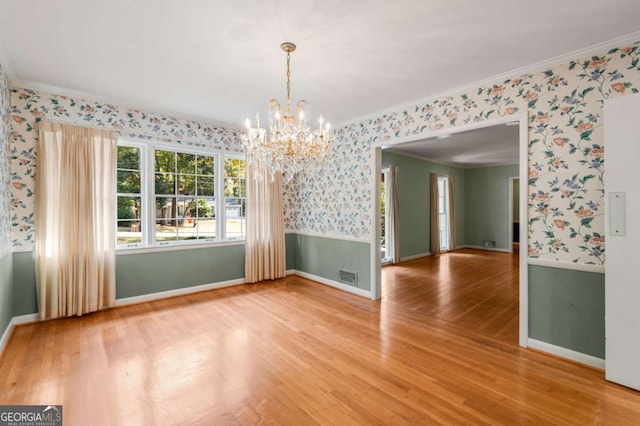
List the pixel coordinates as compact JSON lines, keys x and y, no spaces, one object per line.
{"x":486,"y":248}
{"x":22,"y":319}
{"x":335,"y":284}
{"x":415,"y":256}
{"x":567,"y":353}
{"x":177,"y":292}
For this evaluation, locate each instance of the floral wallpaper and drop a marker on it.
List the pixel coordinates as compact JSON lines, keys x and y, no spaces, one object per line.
{"x":29,"y":107}
{"x":566,"y":153}
{"x":565,"y":158}
{"x":5,"y":192}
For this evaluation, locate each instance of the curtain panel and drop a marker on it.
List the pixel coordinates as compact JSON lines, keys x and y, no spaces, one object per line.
{"x":265,"y":256}
{"x":75,"y":219}
{"x":394,"y":214}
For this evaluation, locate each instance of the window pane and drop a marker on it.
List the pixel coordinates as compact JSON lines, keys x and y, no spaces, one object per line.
{"x":206,"y":228}
{"x":128,"y":182}
{"x":129,"y":232}
{"x":205,"y":165}
{"x":234,"y":167}
{"x":128,"y":157}
{"x":166,"y":230}
{"x":235,"y":228}
{"x":205,"y":208}
{"x":129,"y":208}
{"x":166,"y":207}
{"x":186,"y":184}
{"x":165,"y":183}
{"x":165,"y":161}
{"x":206,"y":186}
{"x":186,"y":163}
{"x":188,"y":230}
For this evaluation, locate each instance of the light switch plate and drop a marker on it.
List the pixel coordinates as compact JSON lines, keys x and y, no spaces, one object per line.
{"x":617,"y":213}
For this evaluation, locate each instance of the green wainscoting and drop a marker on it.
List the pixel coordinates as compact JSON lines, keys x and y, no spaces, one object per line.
{"x":139,"y":274}
{"x":324,"y":256}
{"x":566,"y":309}
{"x":6,"y":279}
{"x":25,"y":299}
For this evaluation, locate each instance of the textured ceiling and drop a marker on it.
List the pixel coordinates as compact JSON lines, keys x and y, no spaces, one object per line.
{"x":220,"y":60}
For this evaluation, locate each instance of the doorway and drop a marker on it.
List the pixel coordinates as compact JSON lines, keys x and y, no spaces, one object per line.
{"x":376,"y":163}
{"x":443,"y":213}
{"x":386,"y":243}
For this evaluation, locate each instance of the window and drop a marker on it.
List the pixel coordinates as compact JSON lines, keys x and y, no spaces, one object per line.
{"x":443,"y":212}
{"x":130,"y":195}
{"x":178,"y":200}
{"x":234,"y":198}
{"x":185,"y":202}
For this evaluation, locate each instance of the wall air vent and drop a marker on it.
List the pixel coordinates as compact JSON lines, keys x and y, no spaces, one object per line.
{"x":348,"y":277}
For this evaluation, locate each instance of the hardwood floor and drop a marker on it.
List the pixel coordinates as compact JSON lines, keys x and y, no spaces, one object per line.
{"x":297,"y":352}
{"x":473,"y":288}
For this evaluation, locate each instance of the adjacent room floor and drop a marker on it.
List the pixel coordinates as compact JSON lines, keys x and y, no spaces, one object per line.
{"x":296,"y":352}
{"x":476,"y":289}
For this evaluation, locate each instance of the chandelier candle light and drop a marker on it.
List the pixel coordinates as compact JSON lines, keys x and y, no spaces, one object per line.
{"x":291,"y":145}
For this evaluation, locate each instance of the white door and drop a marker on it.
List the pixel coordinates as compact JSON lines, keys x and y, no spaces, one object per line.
{"x":622,"y":230}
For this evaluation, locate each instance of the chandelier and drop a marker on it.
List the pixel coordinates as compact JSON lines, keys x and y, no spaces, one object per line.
{"x":290,"y":145}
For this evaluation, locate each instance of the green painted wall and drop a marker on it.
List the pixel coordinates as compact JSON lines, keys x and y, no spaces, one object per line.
{"x":325,"y":256}
{"x":138,"y":274}
{"x":25,"y":299}
{"x":147,"y":273}
{"x":486,"y":193}
{"x":6,"y":278}
{"x":566,"y":309}
{"x":413,"y":196}
{"x":291,"y":247}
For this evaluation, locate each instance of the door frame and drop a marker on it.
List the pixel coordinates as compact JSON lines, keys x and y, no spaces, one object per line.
{"x":375,"y":165}
{"x":511,"y":179}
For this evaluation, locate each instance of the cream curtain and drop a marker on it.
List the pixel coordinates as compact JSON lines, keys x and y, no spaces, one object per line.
{"x":452,"y":216}
{"x":435,"y":229}
{"x":394,"y":214}
{"x":264,"y":245}
{"x":75,"y":219}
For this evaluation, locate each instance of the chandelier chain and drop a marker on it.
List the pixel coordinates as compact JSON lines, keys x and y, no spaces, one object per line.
{"x":288,"y":76}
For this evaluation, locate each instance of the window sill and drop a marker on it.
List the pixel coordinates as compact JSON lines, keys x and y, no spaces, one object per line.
{"x":175,"y":247}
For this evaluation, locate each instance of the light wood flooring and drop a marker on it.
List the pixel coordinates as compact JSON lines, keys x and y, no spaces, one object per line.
{"x":300,"y":353}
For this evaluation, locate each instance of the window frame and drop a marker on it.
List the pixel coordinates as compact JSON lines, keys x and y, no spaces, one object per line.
{"x":143,"y":196}
{"x":148,"y":198}
{"x":224,"y":198}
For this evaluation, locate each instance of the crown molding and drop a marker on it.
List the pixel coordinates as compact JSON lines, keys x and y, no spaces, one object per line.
{"x":6,"y":66}
{"x":55,"y":90}
{"x":528,"y":69}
